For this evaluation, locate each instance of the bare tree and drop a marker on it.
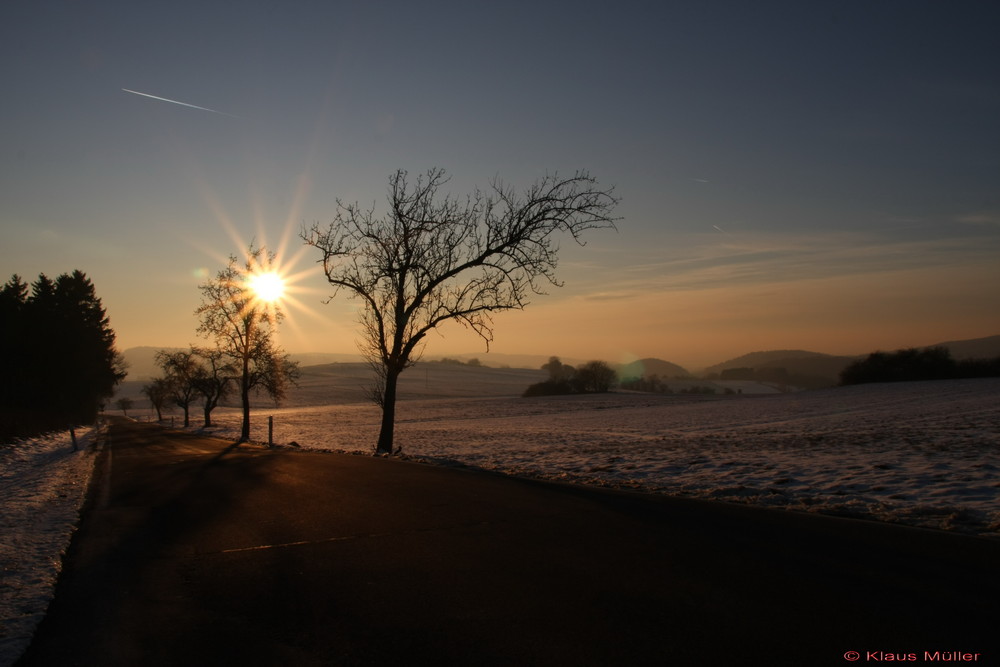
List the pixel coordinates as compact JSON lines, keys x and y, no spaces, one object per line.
{"x":157,"y":392}
{"x":124,"y":404}
{"x":180,"y":374}
{"x":242,"y":326}
{"x":215,"y":379}
{"x":437,"y":258}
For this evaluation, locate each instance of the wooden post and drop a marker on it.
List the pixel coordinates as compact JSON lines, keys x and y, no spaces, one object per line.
{"x":270,"y":431}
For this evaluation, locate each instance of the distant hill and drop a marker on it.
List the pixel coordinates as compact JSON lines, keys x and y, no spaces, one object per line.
{"x":815,"y":369}
{"x":651,"y":366}
{"x":771,"y":358}
{"x":975,"y":348}
{"x":799,"y":368}
{"x":142,"y":366}
{"x":501,"y":360}
{"x":321,"y":358}
{"x":347,"y":383}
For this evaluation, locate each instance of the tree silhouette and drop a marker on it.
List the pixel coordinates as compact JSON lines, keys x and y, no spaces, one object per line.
{"x":591,"y":378}
{"x":594,"y":377}
{"x":912,"y":364}
{"x":435,"y":258}
{"x":558,"y":371}
{"x":199,"y":372}
{"x":242,"y":327}
{"x":60,"y":363}
{"x":157,"y":391}
{"x":215,"y":379}
{"x":181,"y":371}
{"x":124,"y":404}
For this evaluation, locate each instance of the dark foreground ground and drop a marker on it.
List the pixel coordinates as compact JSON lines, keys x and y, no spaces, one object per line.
{"x":193,"y":553}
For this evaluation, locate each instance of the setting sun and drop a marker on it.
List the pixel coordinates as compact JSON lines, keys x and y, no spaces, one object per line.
{"x":269,"y":287}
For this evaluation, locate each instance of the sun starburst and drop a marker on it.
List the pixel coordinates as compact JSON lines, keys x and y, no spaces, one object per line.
{"x":276,"y":281}
{"x":268,"y":286}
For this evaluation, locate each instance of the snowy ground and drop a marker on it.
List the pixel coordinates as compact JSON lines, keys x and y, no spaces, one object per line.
{"x":924,"y":453}
{"x":43,"y":483}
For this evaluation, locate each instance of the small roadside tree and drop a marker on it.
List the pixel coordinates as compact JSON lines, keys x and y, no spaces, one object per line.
{"x":215,"y":380}
{"x":436,"y":258}
{"x":180,"y":373}
{"x":241,"y":322}
{"x":157,"y":392}
{"x":124,"y":404}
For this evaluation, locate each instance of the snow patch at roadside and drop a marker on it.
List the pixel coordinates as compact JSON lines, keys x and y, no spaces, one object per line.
{"x":43,"y":484}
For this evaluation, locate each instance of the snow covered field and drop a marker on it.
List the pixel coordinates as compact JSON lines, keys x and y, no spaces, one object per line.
{"x":923,"y":453}
{"x":43,"y":483}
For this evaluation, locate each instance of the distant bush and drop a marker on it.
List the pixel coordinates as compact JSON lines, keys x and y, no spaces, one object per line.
{"x":648,"y":383}
{"x":911,"y":365}
{"x":979,"y":368}
{"x":594,"y":377}
{"x":476,"y":363}
{"x":776,"y":375}
{"x":548,"y":388}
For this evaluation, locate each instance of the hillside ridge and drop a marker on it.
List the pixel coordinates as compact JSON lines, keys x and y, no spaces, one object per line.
{"x":142,"y":367}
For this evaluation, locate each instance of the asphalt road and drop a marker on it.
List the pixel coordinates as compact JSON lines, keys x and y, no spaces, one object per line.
{"x":194,"y":553}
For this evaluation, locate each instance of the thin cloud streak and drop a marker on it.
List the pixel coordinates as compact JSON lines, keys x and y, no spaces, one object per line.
{"x":775,"y":260}
{"x":986,"y":219}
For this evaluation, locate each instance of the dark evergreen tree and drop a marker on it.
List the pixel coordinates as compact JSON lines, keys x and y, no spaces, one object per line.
{"x":60,"y":359}
{"x":88,"y":348}
{"x":13,"y":334}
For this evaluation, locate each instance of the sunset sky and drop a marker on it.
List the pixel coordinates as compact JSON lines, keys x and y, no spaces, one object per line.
{"x":811,"y":175}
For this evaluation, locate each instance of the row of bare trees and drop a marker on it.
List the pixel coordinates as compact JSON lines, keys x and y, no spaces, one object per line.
{"x":200,"y":373}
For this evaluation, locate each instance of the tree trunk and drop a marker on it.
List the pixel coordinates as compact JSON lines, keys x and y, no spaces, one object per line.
{"x":208,"y":416}
{"x":388,"y":413}
{"x":187,"y":418}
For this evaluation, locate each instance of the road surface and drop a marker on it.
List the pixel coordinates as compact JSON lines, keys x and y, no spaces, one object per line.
{"x":193,"y":552}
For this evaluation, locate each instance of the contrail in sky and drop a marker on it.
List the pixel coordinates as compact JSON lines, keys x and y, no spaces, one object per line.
{"x":183,"y":104}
